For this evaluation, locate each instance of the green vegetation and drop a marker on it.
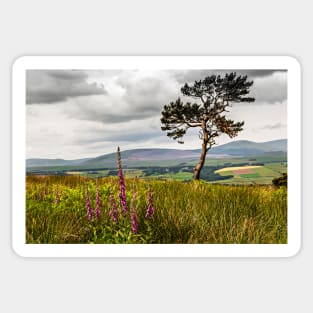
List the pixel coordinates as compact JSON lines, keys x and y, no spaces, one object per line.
{"x":273,"y":166}
{"x":214,"y":95}
{"x":260,"y":175}
{"x":254,"y":175}
{"x":185,"y":176}
{"x":91,"y":173}
{"x":280,"y":181}
{"x":185,"y":212}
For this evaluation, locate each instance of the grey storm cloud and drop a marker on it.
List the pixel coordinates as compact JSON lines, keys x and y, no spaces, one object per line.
{"x":119,"y":96}
{"x":189,"y":76}
{"x":271,"y":90}
{"x":132,"y":95}
{"x":51,"y":86}
{"x":260,"y":73}
{"x":88,"y":112}
{"x":269,"y":85}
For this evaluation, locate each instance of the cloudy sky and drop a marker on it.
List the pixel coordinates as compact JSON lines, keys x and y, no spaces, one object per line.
{"x":85,"y":113}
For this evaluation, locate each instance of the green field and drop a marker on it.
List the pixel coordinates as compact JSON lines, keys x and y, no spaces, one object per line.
{"x":104,"y":173}
{"x":261,"y":175}
{"x":175,"y":176}
{"x":250,"y":176}
{"x":273,"y":165}
{"x":185,"y":212}
{"x":95,"y":173}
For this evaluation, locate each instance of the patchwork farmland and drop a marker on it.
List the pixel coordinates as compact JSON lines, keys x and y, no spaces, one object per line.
{"x":240,"y":162}
{"x":261,"y":174}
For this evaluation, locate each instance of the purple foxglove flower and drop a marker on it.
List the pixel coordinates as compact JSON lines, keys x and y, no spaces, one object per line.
{"x":121,"y":181}
{"x":56,"y":199}
{"x":98,"y":202}
{"x":150,"y":208}
{"x":88,"y":205}
{"x":134,"y":222}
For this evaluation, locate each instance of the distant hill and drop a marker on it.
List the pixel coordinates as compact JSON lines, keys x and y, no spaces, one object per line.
{"x":139,"y":155}
{"x":246,"y":148}
{"x":54,"y":162}
{"x":135,"y":157}
{"x":276,"y":145}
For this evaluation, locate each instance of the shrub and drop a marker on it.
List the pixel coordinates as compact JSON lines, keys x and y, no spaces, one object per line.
{"x":280,"y":181}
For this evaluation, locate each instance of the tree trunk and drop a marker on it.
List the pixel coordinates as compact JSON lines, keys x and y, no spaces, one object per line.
{"x":198,"y":167}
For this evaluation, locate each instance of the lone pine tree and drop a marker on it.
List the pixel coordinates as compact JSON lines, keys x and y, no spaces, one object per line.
{"x":215,"y":95}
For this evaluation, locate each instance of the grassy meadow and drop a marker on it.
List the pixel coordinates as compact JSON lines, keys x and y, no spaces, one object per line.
{"x":77,"y":209}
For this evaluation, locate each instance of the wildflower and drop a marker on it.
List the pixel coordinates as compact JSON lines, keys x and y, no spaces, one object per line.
{"x":56,"y":199}
{"x":98,"y":202}
{"x":133,"y":213}
{"x":150,"y":208}
{"x":121,"y":180}
{"x":88,"y":205}
{"x":113,"y":212}
{"x":134,"y":222}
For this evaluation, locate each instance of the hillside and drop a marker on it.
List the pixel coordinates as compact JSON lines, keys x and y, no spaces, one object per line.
{"x":54,"y":162}
{"x":155,"y":156}
{"x":246,"y":148}
{"x":138,"y":155}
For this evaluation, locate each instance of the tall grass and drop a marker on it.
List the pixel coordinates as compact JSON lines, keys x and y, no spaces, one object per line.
{"x":193,"y":212}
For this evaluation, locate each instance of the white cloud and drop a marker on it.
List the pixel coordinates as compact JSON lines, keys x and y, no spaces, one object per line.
{"x":271,"y":89}
{"x":257,"y":117}
{"x":133,"y":95}
{"x":128,"y":114}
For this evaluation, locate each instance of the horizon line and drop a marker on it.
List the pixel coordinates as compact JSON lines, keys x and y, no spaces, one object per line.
{"x":153,"y":148}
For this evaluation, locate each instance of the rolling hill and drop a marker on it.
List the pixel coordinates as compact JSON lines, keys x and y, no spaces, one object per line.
{"x":240,"y":148}
{"x":246,"y":148}
{"x":54,"y":162}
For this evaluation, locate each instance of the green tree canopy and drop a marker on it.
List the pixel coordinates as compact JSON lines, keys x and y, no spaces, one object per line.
{"x":214,"y":95}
